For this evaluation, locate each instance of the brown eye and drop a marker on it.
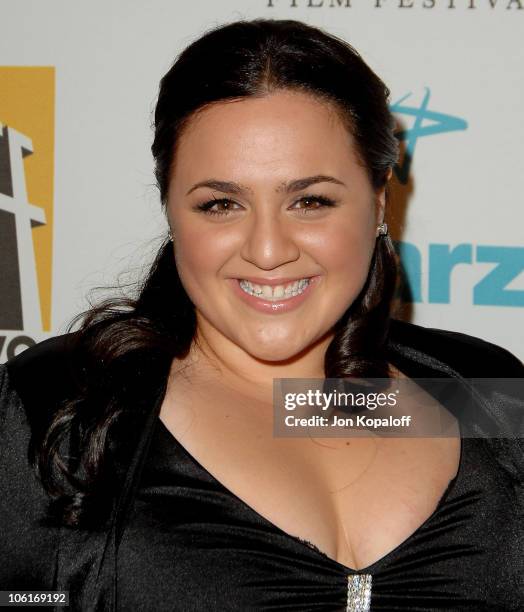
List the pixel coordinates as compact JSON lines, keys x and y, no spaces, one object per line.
{"x":313,"y":203}
{"x":222,"y":206}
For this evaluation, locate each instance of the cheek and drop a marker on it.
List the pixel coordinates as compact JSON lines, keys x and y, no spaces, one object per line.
{"x":346,"y":251}
{"x":199,"y":256}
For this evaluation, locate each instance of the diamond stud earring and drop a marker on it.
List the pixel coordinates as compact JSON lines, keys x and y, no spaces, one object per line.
{"x":382,"y":229}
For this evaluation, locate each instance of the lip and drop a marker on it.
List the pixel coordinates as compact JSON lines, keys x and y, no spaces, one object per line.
{"x":274,"y":307}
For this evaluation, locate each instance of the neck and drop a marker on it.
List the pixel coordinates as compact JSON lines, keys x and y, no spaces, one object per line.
{"x":215,"y":359}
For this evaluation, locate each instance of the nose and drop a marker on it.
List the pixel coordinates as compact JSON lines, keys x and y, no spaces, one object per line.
{"x":269,"y":241}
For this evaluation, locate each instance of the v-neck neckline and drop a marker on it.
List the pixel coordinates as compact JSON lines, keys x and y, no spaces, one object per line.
{"x":452,"y":485}
{"x":399,"y":352}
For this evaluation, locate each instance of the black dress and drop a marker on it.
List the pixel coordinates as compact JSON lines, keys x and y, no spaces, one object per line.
{"x":179,"y":540}
{"x":191,"y":544}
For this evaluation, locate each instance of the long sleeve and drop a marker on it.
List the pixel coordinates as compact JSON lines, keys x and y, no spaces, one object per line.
{"x":27,"y":547}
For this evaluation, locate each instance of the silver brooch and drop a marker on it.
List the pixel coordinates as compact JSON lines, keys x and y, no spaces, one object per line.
{"x":359,"y":593}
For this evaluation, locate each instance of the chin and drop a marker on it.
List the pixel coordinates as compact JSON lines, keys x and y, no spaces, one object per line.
{"x":272,"y":355}
{"x":276,"y":351}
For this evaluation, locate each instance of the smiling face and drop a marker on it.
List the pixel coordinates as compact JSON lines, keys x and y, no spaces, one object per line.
{"x":270,"y":189}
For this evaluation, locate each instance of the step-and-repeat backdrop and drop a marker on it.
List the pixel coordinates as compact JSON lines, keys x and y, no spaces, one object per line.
{"x":78,"y":206}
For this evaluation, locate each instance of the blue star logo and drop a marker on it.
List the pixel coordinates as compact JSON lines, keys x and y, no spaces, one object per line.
{"x":426,"y":123}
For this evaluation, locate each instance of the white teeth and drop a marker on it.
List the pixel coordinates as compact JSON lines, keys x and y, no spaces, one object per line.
{"x":278,"y":292}
{"x":267,"y":292}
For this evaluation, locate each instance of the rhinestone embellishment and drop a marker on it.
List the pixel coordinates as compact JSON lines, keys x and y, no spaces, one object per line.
{"x":359,"y":593}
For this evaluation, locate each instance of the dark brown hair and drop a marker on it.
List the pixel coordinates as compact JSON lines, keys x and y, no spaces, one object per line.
{"x":124,"y":342}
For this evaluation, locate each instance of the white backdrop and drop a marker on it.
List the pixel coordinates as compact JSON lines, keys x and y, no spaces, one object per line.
{"x":464,"y":188}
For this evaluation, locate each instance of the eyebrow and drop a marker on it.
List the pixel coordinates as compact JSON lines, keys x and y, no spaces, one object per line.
{"x":286,"y":187}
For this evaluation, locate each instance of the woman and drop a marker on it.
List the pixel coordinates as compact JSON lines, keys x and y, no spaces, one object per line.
{"x":150,"y":427}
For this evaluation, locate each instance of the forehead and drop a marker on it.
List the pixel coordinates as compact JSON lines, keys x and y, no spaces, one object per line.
{"x":282,"y":129}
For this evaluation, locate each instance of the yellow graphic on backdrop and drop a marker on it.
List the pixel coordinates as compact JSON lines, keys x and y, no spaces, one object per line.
{"x":27,"y":106}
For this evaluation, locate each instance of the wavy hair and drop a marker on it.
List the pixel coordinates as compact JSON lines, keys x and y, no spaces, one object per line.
{"x":124,"y":341}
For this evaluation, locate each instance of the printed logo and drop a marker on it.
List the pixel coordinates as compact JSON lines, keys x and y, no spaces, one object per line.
{"x":496,"y":288}
{"x":26,"y":205}
{"x":425,"y":122}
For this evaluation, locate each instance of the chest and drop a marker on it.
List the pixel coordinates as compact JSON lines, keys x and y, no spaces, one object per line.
{"x":354,"y":498}
{"x":191,"y":545}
